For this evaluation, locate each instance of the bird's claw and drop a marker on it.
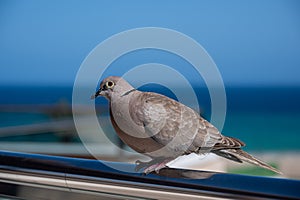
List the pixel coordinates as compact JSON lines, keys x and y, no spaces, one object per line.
{"x":153,"y":165}
{"x":154,"y":168}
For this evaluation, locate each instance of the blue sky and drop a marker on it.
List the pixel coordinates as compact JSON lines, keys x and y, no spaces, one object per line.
{"x":252,"y":42}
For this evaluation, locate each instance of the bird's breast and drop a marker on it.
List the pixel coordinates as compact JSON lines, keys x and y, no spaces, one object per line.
{"x":121,"y":115}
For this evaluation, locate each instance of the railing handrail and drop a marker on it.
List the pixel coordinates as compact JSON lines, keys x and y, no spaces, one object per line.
{"x":97,"y":176}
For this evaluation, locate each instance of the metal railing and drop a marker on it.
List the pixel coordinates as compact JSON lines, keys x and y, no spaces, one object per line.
{"x":32,"y":172}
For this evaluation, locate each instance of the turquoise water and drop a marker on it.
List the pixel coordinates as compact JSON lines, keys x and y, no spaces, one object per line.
{"x":21,"y":118}
{"x":265,"y":131}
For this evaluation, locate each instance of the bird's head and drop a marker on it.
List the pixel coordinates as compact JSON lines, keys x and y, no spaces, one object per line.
{"x":112,"y":85}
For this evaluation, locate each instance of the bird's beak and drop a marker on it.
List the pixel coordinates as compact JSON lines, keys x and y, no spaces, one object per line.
{"x":98,"y":93}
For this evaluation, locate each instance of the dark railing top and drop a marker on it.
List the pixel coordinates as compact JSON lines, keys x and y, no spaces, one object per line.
{"x":251,"y":186}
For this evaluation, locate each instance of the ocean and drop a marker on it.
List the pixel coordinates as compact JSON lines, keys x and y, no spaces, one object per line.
{"x":265,"y":118}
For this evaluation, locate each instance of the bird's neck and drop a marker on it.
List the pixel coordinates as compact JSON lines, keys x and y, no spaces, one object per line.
{"x":123,"y":97}
{"x":128,"y":92}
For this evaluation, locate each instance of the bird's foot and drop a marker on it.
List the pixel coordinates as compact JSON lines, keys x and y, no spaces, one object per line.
{"x":156,"y":167}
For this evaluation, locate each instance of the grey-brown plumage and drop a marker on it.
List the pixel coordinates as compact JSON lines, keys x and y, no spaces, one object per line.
{"x":163,"y":129}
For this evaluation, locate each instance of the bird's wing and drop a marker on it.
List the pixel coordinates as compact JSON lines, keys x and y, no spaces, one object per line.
{"x":152,"y":111}
{"x":206,"y":138}
{"x":171,"y":123}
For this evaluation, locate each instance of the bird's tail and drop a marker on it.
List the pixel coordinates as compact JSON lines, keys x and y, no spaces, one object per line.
{"x":239,"y":155}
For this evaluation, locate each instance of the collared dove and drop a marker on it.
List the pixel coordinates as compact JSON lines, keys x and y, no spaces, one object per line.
{"x":163,"y":129}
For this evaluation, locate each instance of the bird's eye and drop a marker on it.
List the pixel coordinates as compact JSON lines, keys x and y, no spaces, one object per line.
{"x":109,"y":84}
